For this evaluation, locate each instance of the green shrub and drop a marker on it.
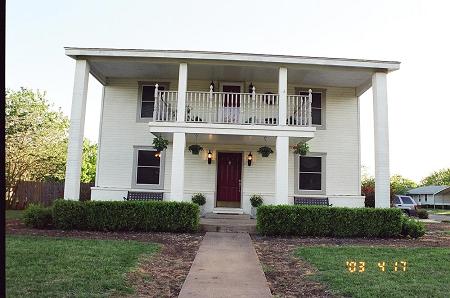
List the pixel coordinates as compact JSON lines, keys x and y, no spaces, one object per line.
{"x":412,"y":228}
{"x":256,"y":200}
{"x":325,"y":221}
{"x":37,"y":216}
{"x":422,"y":213}
{"x":126,"y":216}
{"x":199,"y":199}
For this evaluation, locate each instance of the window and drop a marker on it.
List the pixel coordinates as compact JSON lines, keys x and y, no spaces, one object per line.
{"x":426,"y":197}
{"x":317,"y":105}
{"x":148,"y":169}
{"x":310,"y":176}
{"x":407,"y":200}
{"x":397,"y":201}
{"x":147,"y":99}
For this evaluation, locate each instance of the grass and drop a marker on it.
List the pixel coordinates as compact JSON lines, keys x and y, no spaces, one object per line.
{"x":427,"y":271}
{"x":13,"y":214}
{"x":438,"y":211}
{"x":62,"y":267}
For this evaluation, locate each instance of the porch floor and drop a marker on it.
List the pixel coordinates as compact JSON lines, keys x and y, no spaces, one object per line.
{"x":228,"y":223}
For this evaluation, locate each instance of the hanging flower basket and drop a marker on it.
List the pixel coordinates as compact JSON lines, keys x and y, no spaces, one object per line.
{"x":195,"y":149}
{"x":301,"y":148}
{"x":160,"y":144}
{"x":265,"y":151}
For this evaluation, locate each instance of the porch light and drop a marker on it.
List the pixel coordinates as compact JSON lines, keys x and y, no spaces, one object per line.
{"x":158,"y":154}
{"x":249,"y":159}
{"x":211,"y":85}
{"x":209,"y":157}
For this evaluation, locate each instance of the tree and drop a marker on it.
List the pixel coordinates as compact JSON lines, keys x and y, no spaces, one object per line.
{"x":89,"y":162}
{"x":368,"y":190}
{"x":398,"y":184}
{"x":35,"y":139}
{"x":441,"y":177}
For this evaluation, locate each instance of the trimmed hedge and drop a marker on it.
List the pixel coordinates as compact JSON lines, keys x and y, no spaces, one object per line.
{"x":38,"y":216}
{"x":412,"y":227}
{"x":158,"y":216}
{"x":422,"y":213}
{"x":328,"y":221}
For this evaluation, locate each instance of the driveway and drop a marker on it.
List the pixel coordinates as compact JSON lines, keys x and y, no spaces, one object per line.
{"x":438,"y":217}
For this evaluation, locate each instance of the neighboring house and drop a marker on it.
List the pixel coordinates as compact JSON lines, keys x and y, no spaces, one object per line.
{"x":432,"y":195}
{"x":231,"y":104}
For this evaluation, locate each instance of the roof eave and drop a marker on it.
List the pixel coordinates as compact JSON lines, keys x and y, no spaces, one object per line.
{"x":388,"y":66}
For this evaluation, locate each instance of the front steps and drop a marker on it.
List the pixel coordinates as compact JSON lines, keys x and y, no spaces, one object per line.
{"x":224,"y":210}
{"x":228,"y":223}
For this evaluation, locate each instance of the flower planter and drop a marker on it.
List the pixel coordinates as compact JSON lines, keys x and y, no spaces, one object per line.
{"x":265,"y":151}
{"x":202,"y":211}
{"x":160,"y":144}
{"x":195,"y":149}
{"x":301,"y":149}
{"x":253,"y":212}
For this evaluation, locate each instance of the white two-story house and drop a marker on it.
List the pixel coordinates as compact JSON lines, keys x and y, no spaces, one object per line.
{"x":230,"y":104}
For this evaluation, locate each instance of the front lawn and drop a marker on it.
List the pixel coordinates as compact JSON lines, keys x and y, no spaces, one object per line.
{"x":13,"y":214}
{"x":62,"y":267}
{"x":427,"y":272}
{"x":438,"y":211}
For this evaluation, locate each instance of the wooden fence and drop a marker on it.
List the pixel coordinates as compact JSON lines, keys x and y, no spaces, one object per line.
{"x":44,"y":193}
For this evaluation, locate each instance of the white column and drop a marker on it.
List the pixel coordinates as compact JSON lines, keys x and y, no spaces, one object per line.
{"x":177,"y":175}
{"x":76,"y":131}
{"x":182,"y":88}
{"x":381,"y":134}
{"x":281,"y":170}
{"x":282,"y":98}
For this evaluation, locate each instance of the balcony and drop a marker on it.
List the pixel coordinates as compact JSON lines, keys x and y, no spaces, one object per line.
{"x":232,"y":108}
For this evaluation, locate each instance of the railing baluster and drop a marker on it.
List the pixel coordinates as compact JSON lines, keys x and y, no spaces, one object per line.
{"x":210,"y":102}
{"x":222,"y":107}
{"x":257,"y":111}
{"x":155,"y":107}
{"x":228,"y":108}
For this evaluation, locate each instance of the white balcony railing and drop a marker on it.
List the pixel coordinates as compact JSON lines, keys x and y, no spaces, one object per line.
{"x":299,"y":110}
{"x":165,"y":108}
{"x":232,"y":108}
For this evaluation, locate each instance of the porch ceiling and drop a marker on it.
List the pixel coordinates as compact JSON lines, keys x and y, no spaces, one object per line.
{"x":299,"y":74}
{"x":214,"y":139}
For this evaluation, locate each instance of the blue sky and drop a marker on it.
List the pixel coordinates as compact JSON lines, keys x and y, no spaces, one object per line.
{"x":413,"y":32}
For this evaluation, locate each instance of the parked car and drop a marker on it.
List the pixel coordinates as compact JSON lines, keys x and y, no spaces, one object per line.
{"x":406,"y":204}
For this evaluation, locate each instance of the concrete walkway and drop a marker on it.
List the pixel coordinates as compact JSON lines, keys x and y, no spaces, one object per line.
{"x":226,"y":265}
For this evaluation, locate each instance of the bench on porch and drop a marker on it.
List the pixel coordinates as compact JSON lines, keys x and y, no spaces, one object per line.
{"x":312,"y":201}
{"x":144,"y":196}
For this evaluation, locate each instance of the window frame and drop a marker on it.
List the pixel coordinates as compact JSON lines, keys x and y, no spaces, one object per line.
{"x":323,"y":101}
{"x":322,"y":190}
{"x":134,"y":174}
{"x":141,"y":85}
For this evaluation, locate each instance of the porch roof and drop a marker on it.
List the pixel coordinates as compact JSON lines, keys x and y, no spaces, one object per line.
{"x":163,"y":64}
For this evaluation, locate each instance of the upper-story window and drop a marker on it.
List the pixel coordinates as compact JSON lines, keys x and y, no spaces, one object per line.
{"x":317,"y":105}
{"x":147,"y":99}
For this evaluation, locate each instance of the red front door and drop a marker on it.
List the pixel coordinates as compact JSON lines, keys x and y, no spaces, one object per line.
{"x":229,"y":168}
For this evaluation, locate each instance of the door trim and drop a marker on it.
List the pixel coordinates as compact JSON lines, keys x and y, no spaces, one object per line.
{"x":242,"y":176}
{"x":240,"y":84}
